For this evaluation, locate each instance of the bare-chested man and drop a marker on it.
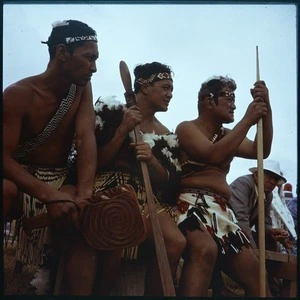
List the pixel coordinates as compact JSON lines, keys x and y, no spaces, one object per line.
{"x":119,"y":162}
{"x":204,"y":217}
{"x":43,"y":115}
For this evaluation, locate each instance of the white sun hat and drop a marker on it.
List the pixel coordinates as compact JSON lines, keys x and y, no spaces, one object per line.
{"x":272,"y":166}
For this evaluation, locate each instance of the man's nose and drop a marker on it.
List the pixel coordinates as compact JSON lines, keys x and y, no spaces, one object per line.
{"x":93,"y":67}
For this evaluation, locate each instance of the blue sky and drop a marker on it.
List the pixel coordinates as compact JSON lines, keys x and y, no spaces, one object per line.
{"x":197,"y":41}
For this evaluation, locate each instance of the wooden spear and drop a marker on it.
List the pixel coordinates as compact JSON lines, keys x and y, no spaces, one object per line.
{"x":161,"y":253}
{"x":261,"y":200}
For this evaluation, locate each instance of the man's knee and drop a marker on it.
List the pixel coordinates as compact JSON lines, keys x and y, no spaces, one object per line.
{"x":176,"y":244}
{"x":10,"y":197}
{"x":10,"y":189}
{"x":204,"y":251}
{"x":174,"y":240}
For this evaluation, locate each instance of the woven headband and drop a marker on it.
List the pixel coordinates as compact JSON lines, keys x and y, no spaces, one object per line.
{"x":68,"y":40}
{"x":74,"y":39}
{"x":154,"y":77}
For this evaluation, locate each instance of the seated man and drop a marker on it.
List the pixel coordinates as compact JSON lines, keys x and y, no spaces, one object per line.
{"x":119,"y":162}
{"x":204,"y":216}
{"x":42,"y":114}
{"x":244,"y":202}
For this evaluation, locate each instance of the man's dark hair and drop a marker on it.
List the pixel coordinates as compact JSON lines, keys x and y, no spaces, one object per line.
{"x":148,"y":73}
{"x":61,"y":31}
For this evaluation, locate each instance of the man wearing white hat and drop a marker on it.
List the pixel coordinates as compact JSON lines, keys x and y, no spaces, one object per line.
{"x":244,"y":202}
{"x":245,"y":205}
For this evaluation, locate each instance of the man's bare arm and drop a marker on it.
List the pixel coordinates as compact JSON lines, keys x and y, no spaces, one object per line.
{"x":248,"y":149}
{"x":158,"y":173}
{"x":234,"y":143}
{"x":15,"y":105}
{"x":86,"y":145}
{"x":107,"y":152}
{"x":14,"y":111}
{"x":200,"y":148}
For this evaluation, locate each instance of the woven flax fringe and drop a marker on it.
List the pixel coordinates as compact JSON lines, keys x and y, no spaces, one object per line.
{"x":30,"y":249}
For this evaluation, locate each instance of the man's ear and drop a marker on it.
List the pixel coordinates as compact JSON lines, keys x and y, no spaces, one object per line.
{"x":210,"y":100}
{"x":62,"y":52}
{"x":255,"y":176}
{"x":145,"y":88}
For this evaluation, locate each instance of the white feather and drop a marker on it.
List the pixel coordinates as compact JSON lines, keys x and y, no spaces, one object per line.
{"x":41,"y":281}
{"x":59,"y":23}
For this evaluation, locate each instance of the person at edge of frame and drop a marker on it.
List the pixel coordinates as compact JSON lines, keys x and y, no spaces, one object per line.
{"x":43,"y":115}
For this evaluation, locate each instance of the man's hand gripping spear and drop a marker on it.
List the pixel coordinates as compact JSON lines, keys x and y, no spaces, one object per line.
{"x":162,"y":258}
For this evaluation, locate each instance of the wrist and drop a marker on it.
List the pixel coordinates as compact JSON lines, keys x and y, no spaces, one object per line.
{"x":245,"y":122}
{"x":122,"y":130}
{"x":47,"y":194}
{"x":84,"y":194}
{"x":268,"y":231}
{"x":152,"y":162}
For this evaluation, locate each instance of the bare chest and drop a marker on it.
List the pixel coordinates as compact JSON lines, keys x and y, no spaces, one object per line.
{"x":43,"y":112}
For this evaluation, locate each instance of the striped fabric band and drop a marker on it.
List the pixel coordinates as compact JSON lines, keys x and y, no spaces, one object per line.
{"x":74,"y":39}
{"x":29,"y":146}
{"x":155,"y":77}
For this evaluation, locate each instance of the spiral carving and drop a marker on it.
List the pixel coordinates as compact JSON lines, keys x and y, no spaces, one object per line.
{"x":112,"y":220}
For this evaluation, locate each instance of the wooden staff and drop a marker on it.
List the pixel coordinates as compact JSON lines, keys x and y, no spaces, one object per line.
{"x":261,"y":201}
{"x":162,"y":258}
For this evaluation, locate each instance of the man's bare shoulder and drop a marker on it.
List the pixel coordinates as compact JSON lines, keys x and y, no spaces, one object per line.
{"x":160,"y":128}
{"x":185,"y":125}
{"x":22,"y":89}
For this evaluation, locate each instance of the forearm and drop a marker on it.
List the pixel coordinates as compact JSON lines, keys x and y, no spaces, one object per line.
{"x":158,"y":174}
{"x":86,"y":164}
{"x":227,"y":147}
{"x":25,"y":181}
{"x":268,"y":218}
{"x":106,"y":153}
{"x":268,"y":225}
{"x":267,"y":134}
{"x":268,"y":230}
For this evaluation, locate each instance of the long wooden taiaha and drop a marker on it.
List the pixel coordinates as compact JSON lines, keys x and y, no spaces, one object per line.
{"x":161,"y":253}
{"x":261,"y":202}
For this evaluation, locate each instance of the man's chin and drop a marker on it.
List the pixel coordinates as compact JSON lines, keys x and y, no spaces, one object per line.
{"x":228,"y":121}
{"x":163,"y":109}
{"x":82,"y":83}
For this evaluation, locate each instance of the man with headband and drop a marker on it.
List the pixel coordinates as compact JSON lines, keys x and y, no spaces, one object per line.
{"x":119,"y":162}
{"x":43,"y":115}
{"x":204,"y":215}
